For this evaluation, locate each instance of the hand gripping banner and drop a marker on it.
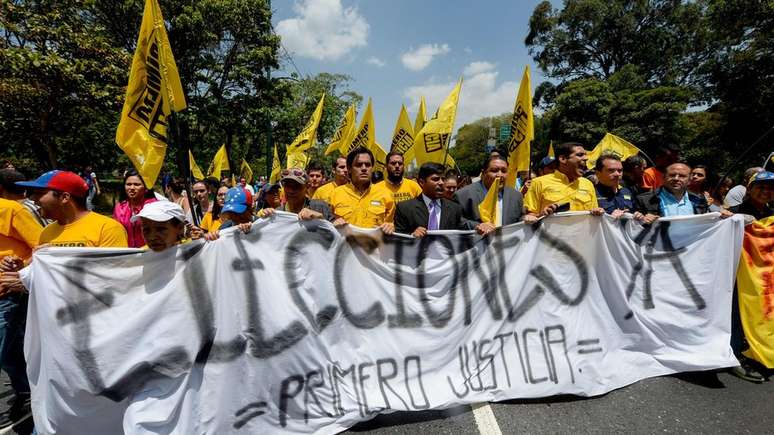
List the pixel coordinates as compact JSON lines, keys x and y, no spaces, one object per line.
{"x":297,"y":327}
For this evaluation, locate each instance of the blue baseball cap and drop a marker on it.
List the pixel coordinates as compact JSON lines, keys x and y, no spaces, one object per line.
{"x":63,"y":181}
{"x":237,"y":200}
{"x":546,"y":161}
{"x":760,"y":177}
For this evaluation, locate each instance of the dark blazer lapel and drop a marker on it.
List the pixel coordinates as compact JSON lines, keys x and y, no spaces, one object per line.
{"x":479,"y":199}
{"x":507,"y":198}
{"x":445,"y":215}
{"x":422,"y":213}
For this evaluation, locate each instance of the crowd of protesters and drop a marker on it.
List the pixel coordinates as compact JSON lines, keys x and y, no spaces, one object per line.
{"x":55,"y":210}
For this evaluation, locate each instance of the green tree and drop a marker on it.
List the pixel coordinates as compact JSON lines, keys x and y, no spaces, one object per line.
{"x":61,"y":83}
{"x":739,"y":77}
{"x":64,"y":67}
{"x":665,"y":39}
{"x":635,"y":68}
{"x":299,"y":104}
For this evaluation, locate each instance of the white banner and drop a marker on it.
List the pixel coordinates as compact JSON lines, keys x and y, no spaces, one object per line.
{"x":296,"y":328}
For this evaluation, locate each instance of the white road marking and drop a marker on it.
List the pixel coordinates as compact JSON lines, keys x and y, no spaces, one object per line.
{"x":485,"y":419}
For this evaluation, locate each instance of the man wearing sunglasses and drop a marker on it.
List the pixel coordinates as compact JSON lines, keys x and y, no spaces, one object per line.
{"x":295,"y":183}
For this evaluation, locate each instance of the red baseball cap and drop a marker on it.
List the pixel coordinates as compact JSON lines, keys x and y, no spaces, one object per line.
{"x":63,"y":181}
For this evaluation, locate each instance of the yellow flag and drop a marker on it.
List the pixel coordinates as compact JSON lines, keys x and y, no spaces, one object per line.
{"x":380,"y":157}
{"x":754,"y":279}
{"x":364,"y":136}
{"x":276,"y":167}
{"x":403,"y":135}
{"x":305,"y":139}
{"x":297,"y":160}
{"x":612,"y":144}
{"x":153,"y":93}
{"x":344,"y":132}
{"x":421,"y":118}
{"x":551,"y":149}
{"x":246,"y":171}
{"x":488,"y":207}
{"x":450,"y":162}
{"x":522,"y":131}
{"x":430,"y":144}
{"x":219,"y":163}
{"x":195,"y":170}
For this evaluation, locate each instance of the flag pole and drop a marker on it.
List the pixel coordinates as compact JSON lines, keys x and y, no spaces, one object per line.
{"x":185,"y":164}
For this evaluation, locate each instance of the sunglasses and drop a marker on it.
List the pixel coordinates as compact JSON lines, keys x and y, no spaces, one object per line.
{"x":295,"y":172}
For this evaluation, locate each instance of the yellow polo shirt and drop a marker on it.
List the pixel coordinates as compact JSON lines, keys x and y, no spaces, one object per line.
{"x":19,"y":231}
{"x":407,"y":189}
{"x":90,"y":231}
{"x":369,"y":210}
{"x":556,"y":189}
{"x":324,"y":192}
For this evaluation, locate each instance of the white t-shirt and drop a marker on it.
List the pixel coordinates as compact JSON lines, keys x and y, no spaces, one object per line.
{"x":735,"y":196}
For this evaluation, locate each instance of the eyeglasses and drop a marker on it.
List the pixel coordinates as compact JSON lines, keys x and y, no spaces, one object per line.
{"x":295,"y":172}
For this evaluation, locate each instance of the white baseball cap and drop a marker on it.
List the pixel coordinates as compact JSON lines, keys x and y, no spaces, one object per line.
{"x":160,"y":211}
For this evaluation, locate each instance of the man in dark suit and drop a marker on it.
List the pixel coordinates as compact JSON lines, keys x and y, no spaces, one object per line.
{"x":510,"y":203}
{"x":430,"y":210}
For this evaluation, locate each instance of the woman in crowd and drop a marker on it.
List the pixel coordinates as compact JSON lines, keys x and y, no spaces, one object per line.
{"x":135,"y":196}
{"x":759,"y":199}
{"x":212,"y":219}
{"x":163,"y":225}
{"x":237,"y":211}
{"x":719,"y":193}
{"x":269,"y":196}
{"x":176,"y":193}
{"x":701,"y":182}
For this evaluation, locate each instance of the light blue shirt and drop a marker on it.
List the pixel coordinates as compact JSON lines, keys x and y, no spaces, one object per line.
{"x":670,"y":206}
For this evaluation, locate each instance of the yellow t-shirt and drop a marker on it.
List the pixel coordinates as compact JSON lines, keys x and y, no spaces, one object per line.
{"x":207,"y":224}
{"x":370,"y":210}
{"x":19,"y":231}
{"x":324,"y":192}
{"x":92,"y":231}
{"x":555,"y":188}
{"x":407,"y":189}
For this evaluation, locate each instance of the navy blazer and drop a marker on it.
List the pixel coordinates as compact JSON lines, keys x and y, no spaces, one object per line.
{"x":411,"y":214}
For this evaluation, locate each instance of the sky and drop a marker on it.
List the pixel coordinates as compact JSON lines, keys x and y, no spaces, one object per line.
{"x":398,"y":50}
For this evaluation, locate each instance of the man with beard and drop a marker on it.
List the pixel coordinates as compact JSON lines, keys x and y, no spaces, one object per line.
{"x":401,"y":189}
{"x":429,"y":210}
{"x":565,"y":189}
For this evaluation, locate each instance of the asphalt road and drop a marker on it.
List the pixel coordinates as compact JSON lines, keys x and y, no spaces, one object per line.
{"x":705,"y":403}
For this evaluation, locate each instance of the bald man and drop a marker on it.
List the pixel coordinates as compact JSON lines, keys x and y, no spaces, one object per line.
{"x":672,"y":198}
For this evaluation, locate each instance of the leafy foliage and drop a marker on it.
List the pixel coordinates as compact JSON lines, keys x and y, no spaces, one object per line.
{"x":64,"y":66}
{"x":634,"y":68}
